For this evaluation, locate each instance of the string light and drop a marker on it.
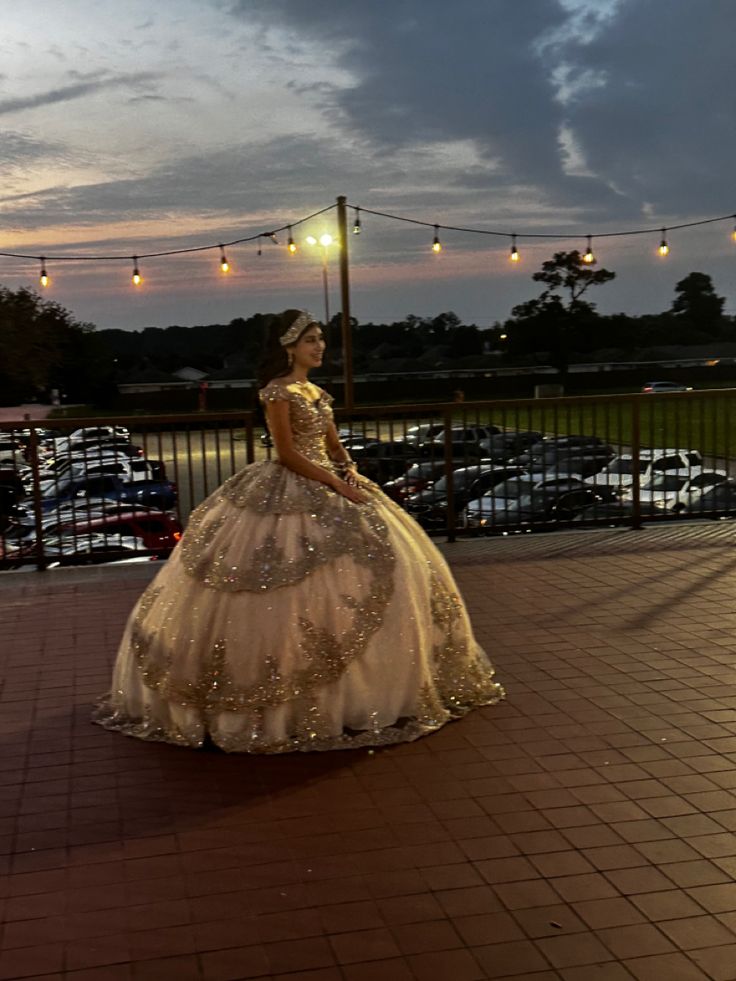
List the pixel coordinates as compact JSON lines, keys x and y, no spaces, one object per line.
{"x":514,"y":256}
{"x":224,"y":264}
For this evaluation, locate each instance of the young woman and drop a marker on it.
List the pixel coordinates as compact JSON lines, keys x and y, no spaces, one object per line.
{"x":302,"y":609}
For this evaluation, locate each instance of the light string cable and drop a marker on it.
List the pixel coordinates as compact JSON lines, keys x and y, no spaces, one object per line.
{"x":128,"y":257}
{"x":513,"y":236}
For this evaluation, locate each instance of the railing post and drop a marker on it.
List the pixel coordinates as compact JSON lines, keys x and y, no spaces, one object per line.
{"x":250,"y":453}
{"x":447,"y":433}
{"x":635,"y":456}
{"x":37,"y":510}
{"x":347,"y":337}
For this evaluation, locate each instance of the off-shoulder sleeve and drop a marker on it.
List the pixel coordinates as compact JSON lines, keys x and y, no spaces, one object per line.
{"x":273,"y":392}
{"x":329,"y":399}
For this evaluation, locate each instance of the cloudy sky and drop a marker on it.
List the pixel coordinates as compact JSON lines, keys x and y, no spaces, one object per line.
{"x":128,"y":127}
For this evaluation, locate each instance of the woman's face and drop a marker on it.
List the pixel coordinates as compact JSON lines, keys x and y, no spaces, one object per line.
{"x":309,"y":349}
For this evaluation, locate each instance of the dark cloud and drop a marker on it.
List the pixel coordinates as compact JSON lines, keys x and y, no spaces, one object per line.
{"x":440,"y":72}
{"x":78,"y":90}
{"x":646,"y":91}
{"x":19,"y":149}
{"x":659,"y":120}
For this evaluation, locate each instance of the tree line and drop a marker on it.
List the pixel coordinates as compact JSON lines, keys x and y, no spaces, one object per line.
{"x":44,"y":347}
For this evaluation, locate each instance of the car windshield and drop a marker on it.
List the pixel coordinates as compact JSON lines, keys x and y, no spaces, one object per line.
{"x":460,"y":480}
{"x":667,"y":482}
{"x":509,"y":489}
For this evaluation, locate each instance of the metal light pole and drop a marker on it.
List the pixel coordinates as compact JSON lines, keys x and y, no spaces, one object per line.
{"x":347,"y":341}
{"x":347,"y":337}
{"x":325,"y":241}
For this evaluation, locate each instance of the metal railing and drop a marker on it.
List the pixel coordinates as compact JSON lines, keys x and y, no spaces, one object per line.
{"x":491,"y":467}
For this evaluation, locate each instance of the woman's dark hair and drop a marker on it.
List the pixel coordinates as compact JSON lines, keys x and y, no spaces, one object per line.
{"x":275,"y":363}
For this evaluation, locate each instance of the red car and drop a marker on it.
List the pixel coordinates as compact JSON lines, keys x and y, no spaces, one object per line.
{"x":154,"y":531}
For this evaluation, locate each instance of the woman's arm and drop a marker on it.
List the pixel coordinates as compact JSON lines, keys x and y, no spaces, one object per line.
{"x":279,"y":425}
{"x":340,"y":455}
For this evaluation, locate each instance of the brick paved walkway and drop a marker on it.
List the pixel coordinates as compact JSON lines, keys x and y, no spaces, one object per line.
{"x":581,"y":831}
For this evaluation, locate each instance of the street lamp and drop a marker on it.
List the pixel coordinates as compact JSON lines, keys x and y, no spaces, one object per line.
{"x":325,"y":241}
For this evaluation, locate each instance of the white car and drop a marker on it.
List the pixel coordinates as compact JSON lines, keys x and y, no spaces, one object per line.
{"x":676,"y":490}
{"x":620,"y":471}
{"x":90,"y":432}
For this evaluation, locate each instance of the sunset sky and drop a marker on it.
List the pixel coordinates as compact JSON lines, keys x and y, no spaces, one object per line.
{"x":129,"y":127}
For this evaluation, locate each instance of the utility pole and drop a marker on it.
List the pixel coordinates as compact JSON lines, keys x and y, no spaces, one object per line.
{"x":347,"y":337}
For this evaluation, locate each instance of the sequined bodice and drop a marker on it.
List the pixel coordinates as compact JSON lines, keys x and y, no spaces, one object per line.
{"x":310,"y":414}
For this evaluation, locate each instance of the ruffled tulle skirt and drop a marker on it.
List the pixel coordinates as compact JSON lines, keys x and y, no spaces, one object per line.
{"x":289,"y":618}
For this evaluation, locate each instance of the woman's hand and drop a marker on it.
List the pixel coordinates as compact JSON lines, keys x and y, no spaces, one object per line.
{"x":351,"y":491}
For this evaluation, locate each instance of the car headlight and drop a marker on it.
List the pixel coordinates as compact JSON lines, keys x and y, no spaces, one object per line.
{"x":662,"y":504}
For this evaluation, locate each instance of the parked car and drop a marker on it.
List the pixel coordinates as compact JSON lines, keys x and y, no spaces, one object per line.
{"x":152,"y":493}
{"x":620,"y":473}
{"x":429,"y":507}
{"x":463,"y":436}
{"x":423,"y":433}
{"x":64,"y":549}
{"x":382,"y":460}
{"x":676,"y":490}
{"x":149,"y":528}
{"x":11,"y":452}
{"x":90,"y":447}
{"x":154,"y":531}
{"x":614,"y":511}
{"x":717,"y":501}
{"x":90,"y":432}
{"x":504,"y":446}
{"x":512,"y":502}
{"x":417,"y":477}
{"x":652,"y":388}
{"x":565,"y":459}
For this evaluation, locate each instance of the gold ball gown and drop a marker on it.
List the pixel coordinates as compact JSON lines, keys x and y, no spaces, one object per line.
{"x":290,"y":618}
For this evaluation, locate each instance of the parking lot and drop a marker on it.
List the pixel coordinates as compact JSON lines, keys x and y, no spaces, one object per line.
{"x":581,"y":830}
{"x":116,"y":490}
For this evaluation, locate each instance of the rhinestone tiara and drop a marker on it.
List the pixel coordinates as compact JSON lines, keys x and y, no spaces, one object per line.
{"x":304,"y":319}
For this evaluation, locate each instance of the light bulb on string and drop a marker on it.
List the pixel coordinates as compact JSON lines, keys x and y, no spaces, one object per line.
{"x":291,"y":245}
{"x":356,"y":224}
{"x":224,"y":264}
{"x":588,"y":255}
{"x":663,"y":249}
{"x":136,"y":277}
{"x":514,"y":254}
{"x":44,"y":276}
{"x":436,"y":244}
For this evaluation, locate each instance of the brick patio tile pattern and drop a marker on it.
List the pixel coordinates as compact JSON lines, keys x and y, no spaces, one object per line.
{"x":583,"y":830}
